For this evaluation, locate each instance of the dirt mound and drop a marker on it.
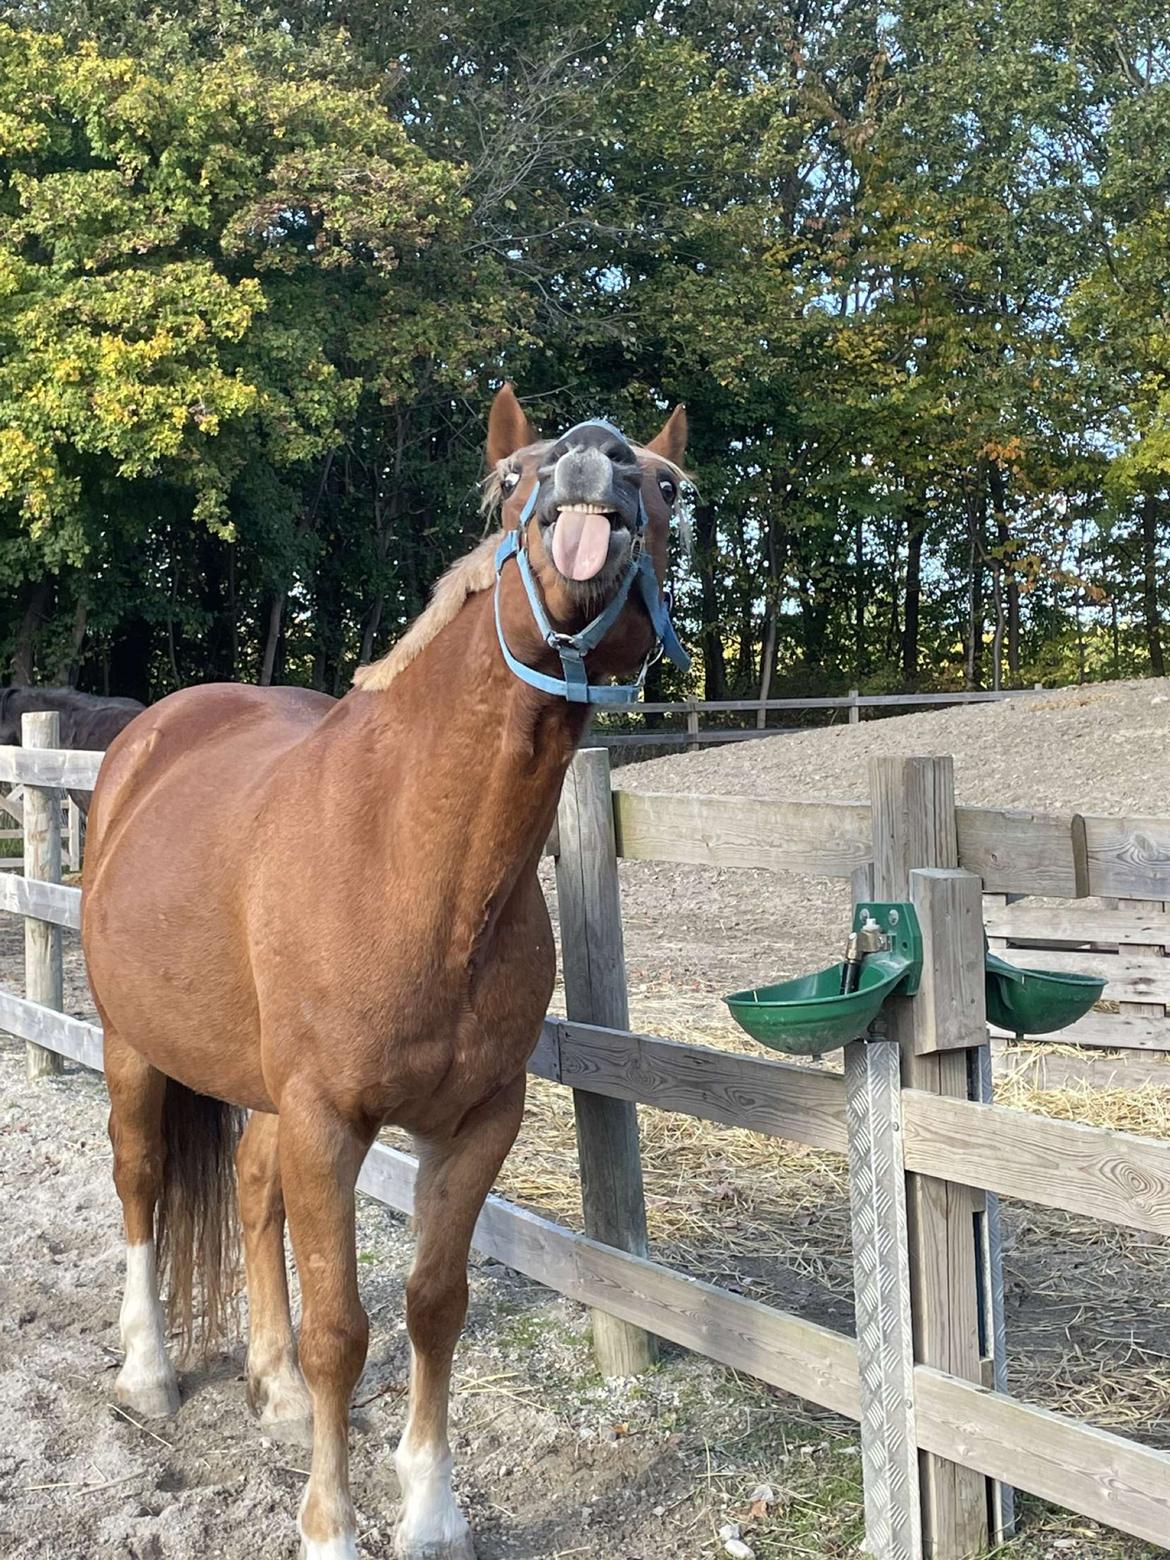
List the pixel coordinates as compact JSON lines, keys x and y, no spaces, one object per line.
{"x":1103,"y":748}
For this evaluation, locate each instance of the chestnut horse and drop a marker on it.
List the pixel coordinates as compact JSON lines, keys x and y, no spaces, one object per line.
{"x":327,"y":914}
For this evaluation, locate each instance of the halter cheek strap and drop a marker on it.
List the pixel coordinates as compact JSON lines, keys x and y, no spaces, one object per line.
{"x":574,"y":684}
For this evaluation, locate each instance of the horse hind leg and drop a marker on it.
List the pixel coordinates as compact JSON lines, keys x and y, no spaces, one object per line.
{"x":277,"y":1393}
{"x":146,"y":1382}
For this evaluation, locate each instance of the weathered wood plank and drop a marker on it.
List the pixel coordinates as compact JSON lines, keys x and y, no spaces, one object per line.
{"x":802,"y":1104}
{"x":63,"y":770}
{"x":1073,"y":924}
{"x":797,"y":1356}
{"x":826,"y":839}
{"x":74,"y":835}
{"x":1132,"y":977}
{"x":1108,"y":1032}
{"x":51,"y":902}
{"x":51,"y":1031}
{"x":1042,"y":854}
{"x":594,"y":969}
{"x":1129,"y":857}
{"x":1019,"y":852}
{"x":44,"y":969}
{"x":1103,"y":1476}
{"x":1044,"y":1069}
{"x":1116,"y":1176}
{"x":12,"y":804}
{"x":949,"y":1013}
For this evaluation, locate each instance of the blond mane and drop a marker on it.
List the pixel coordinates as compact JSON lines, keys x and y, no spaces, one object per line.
{"x":466,"y":577}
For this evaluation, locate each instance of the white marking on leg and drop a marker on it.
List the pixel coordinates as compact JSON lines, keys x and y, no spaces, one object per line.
{"x":147,"y":1378}
{"x":431,"y":1522}
{"x":341,"y":1546}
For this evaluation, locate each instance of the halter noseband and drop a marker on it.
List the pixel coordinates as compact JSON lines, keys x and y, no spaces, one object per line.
{"x":574,"y":684}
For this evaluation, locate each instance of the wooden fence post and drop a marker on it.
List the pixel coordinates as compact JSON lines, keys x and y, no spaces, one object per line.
{"x":854,"y":707}
{"x":74,"y":830}
{"x":913,"y":811}
{"x":594,"y":967}
{"x":44,"y":980}
{"x":692,"y":729}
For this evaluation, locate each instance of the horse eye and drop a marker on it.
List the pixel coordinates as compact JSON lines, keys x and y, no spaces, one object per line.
{"x":509,"y":480}
{"x":668,"y":489}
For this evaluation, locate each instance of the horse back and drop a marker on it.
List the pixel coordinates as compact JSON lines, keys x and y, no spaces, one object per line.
{"x":218,"y":736}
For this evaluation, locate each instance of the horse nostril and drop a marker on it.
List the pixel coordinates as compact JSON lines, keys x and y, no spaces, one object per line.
{"x":617,"y":453}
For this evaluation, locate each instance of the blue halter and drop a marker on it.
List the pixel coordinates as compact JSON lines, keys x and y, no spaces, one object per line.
{"x":574,"y":684}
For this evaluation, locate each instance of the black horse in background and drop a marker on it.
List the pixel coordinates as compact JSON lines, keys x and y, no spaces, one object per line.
{"x":87,"y":720}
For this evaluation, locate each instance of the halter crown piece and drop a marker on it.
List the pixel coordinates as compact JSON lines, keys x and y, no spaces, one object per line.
{"x":574,"y":684}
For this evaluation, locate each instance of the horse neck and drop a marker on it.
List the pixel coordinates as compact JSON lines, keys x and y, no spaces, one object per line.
{"x":470,"y":761}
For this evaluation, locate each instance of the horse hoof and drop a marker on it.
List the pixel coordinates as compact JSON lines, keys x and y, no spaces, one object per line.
{"x":283,"y":1406}
{"x":461,"y":1548}
{"x":296,"y":1430}
{"x":149,"y":1399}
{"x":342,"y":1548}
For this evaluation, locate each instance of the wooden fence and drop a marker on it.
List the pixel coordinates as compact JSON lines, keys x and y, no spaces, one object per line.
{"x":689,"y":713}
{"x":72,"y":830}
{"x":942,"y":1440}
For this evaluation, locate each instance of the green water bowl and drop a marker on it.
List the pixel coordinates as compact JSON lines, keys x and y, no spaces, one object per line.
{"x":1036,"y":1002}
{"x":809,"y":1016}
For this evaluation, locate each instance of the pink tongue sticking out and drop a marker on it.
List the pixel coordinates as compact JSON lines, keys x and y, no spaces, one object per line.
{"x":580,"y":543}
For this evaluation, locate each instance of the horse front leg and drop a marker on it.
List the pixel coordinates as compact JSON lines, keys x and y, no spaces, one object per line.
{"x":454,"y":1177}
{"x":320,"y":1156}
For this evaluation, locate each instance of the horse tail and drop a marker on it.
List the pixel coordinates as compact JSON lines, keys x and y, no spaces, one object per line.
{"x":197,"y":1233}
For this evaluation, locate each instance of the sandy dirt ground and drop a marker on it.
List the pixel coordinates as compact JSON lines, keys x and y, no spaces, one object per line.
{"x":552,"y":1462}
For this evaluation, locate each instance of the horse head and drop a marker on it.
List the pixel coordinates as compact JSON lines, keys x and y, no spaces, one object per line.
{"x":587,"y":516}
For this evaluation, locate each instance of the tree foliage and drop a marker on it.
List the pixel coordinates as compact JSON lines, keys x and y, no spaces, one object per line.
{"x":907,"y":266}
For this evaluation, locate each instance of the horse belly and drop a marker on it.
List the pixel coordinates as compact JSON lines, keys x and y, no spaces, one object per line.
{"x":166,"y":961}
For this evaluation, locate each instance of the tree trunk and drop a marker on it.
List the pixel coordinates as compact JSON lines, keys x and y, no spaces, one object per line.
{"x":1007,"y":582}
{"x":130,"y":657}
{"x":767,"y":660}
{"x":216,"y":586}
{"x":24,"y":652}
{"x":1150,"y":611}
{"x":710,"y":639}
{"x":916,"y":528}
{"x":272,"y":637}
{"x":997,"y":638}
{"x":859,"y":655}
{"x":71,"y":663}
{"x":975,"y":518}
{"x":370,"y":631}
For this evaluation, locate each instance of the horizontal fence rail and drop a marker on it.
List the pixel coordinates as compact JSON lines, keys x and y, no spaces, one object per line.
{"x":691,"y":711}
{"x":61,"y":768}
{"x":1054,"y":855}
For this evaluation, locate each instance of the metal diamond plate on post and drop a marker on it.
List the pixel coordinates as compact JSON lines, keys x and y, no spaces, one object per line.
{"x":881,"y":1281}
{"x":1003,"y":1497}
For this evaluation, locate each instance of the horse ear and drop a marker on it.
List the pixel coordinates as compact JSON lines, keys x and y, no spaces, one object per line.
{"x":671,"y":440}
{"x":508,"y":428}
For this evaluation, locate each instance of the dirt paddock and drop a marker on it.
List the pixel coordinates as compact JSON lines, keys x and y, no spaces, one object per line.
{"x":551,"y":1462}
